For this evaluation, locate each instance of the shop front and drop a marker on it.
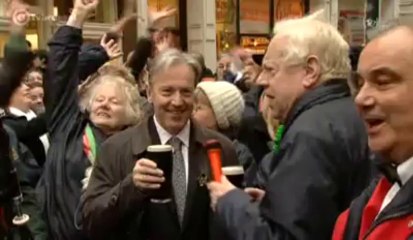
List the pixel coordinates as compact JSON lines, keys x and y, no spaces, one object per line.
{"x":48,"y":15}
{"x":249,"y":23}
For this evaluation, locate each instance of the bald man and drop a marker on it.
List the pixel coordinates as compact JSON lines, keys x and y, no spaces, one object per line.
{"x":385,"y":210}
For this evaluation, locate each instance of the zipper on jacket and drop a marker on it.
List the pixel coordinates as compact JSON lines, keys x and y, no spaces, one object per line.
{"x":385,"y":218}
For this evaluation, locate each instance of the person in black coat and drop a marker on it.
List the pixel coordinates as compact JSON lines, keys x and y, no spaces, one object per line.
{"x":253,"y":130}
{"x":31,"y":130}
{"x":322,"y":153}
{"x":12,"y":153}
{"x":75,"y":135}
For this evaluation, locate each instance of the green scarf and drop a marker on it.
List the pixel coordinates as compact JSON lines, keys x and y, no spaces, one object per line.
{"x":278,"y":136}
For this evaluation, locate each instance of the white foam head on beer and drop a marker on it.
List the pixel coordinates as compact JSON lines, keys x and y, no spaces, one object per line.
{"x":159,"y":148}
{"x":233,"y":170}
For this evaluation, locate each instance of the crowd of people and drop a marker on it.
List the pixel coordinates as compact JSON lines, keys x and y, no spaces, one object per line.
{"x":320,"y":130}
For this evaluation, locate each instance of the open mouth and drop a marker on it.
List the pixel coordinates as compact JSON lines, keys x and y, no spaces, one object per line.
{"x":102,"y":114}
{"x":373,"y":124}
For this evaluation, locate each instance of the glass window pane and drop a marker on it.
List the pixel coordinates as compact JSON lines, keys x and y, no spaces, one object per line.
{"x":254,"y":16}
{"x":225,"y":24}
{"x":351,"y":21}
{"x":288,"y":9}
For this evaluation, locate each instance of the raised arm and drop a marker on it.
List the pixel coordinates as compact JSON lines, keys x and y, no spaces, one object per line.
{"x":91,"y":58}
{"x":17,"y":58}
{"x":145,"y":45}
{"x":63,"y":69}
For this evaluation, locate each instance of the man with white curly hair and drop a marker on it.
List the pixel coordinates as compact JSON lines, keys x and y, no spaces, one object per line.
{"x":320,"y":158}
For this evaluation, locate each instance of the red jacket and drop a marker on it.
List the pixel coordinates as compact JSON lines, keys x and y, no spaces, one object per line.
{"x":362,"y":221}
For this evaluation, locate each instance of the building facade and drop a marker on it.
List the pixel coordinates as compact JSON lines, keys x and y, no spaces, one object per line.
{"x":213,"y":26}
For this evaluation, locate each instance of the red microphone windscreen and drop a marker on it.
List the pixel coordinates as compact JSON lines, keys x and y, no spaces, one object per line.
{"x":213,"y":148}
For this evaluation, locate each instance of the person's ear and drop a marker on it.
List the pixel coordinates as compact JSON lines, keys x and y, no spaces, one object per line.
{"x":149,"y":93}
{"x":312,"y":71}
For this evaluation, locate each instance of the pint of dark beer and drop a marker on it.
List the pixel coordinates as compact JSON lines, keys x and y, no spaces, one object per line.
{"x":162,"y":156}
{"x":235,"y":175}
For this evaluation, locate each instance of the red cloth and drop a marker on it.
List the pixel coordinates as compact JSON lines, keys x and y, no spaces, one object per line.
{"x":392,"y":229}
{"x":371,"y":210}
{"x":340,"y":227}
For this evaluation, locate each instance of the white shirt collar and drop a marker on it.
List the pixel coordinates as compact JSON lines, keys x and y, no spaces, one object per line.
{"x":164,"y":135}
{"x":19,"y":113}
{"x":405,"y":170}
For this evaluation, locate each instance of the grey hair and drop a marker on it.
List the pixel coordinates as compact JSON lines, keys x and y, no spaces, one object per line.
{"x":170,"y":58}
{"x":123,"y":80}
{"x":310,"y":36}
{"x":236,"y":63}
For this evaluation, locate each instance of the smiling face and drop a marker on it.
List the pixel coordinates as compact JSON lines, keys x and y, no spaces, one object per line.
{"x":385,"y":100}
{"x":172,"y":93}
{"x":203,"y":112}
{"x":108,"y":107}
{"x":37,"y":94}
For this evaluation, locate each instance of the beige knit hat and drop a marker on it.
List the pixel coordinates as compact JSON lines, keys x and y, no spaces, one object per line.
{"x":226,"y":101}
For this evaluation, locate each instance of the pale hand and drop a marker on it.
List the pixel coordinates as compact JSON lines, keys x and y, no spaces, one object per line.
{"x":111,"y":47}
{"x":155,"y":16}
{"x":256,"y":194}
{"x":87,"y":6}
{"x":163,"y":41}
{"x":218,"y":190}
{"x":146,"y":175}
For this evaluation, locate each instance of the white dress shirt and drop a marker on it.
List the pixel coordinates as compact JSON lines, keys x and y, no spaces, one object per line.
{"x":183,"y":135}
{"x":29,"y":116}
{"x":405,"y":172}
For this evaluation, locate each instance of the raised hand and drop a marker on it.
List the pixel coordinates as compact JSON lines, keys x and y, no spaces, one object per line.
{"x":163,"y":40}
{"x":111,"y":47}
{"x":81,"y":10}
{"x":155,"y":16}
{"x":85,"y":5}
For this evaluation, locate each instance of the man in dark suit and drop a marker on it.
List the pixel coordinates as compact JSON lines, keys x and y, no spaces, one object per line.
{"x":116,"y":203}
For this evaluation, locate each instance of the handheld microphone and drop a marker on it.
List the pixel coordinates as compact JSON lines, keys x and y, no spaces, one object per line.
{"x":214,"y":150}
